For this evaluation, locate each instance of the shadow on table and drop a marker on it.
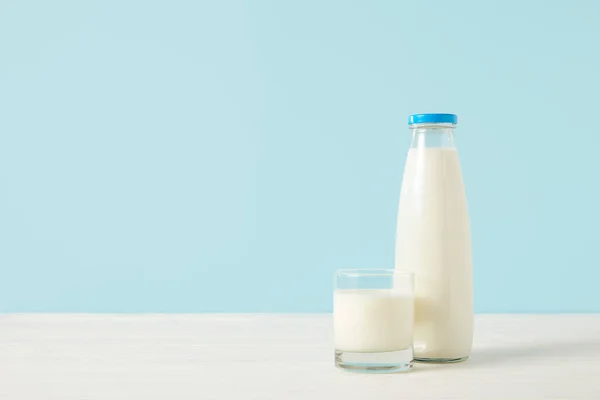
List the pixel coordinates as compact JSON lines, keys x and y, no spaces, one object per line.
{"x":550,"y":351}
{"x":505,"y":355}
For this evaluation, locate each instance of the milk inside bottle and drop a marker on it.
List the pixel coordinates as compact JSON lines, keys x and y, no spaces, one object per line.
{"x":433,"y":240}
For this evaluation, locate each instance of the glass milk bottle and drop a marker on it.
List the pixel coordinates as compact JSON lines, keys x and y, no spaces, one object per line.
{"x":433,"y":240}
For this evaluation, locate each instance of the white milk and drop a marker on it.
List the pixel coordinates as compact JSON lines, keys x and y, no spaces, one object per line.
{"x":376,"y":320}
{"x":433,"y":240}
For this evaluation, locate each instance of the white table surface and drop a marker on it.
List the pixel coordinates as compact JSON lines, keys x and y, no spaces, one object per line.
{"x":283,"y":357}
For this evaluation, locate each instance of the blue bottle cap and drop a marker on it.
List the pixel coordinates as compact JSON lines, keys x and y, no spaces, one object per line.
{"x":432,"y":119}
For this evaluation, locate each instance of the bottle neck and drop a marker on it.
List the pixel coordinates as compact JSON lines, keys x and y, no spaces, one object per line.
{"x":432,"y":136}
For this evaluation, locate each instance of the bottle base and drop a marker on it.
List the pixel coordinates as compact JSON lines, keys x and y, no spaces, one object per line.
{"x":440,"y":360}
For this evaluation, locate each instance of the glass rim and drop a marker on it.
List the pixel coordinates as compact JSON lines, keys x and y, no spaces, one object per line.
{"x":366,"y":272}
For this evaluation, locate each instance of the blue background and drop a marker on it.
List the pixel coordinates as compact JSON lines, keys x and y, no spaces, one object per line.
{"x":227,"y":156}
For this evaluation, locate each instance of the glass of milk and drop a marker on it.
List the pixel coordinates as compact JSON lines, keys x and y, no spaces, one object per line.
{"x":373,"y":318}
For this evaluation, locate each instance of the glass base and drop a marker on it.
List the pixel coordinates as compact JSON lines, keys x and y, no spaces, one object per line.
{"x":440,"y":360}
{"x":377,"y":363}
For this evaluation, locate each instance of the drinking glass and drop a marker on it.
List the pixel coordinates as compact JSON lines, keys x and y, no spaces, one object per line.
{"x":373,"y":318}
